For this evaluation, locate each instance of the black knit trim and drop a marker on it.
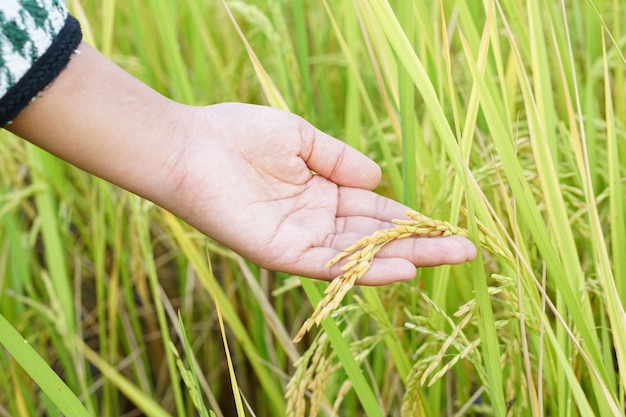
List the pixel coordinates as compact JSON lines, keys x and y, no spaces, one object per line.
{"x":43,"y":71}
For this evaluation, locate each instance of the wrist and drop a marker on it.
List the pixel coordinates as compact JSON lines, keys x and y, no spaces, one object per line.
{"x":101,"y":119}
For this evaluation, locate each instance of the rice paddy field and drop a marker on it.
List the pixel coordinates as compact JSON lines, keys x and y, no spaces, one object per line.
{"x":504,"y":117}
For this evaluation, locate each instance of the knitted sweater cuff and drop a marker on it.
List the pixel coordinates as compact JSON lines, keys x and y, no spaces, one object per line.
{"x":43,"y":71}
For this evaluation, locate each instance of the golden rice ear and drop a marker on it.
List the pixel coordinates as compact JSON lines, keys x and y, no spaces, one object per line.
{"x":360,"y":256}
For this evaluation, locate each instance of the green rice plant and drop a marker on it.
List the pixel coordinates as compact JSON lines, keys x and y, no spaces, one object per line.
{"x":360,"y":255}
{"x":190,"y":376}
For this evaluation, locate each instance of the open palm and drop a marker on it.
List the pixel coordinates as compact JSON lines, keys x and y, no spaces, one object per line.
{"x":288,"y":197}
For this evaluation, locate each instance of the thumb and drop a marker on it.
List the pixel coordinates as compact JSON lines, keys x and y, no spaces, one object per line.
{"x":338,"y":162}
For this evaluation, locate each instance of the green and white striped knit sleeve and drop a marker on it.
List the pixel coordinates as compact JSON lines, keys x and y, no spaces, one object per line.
{"x":37,"y":39}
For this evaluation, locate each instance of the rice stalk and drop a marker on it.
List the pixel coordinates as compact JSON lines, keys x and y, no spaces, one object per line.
{"x":444,"y":348}
{"x":315,"y":370}
{"x":440,"y":341}
{"x":190,"y":381}
{"x":229,"y":359}
{"x":301,"y":381}
{"x":360,"y":256}
{"x":464,"y":353}
{"x":345,"y":388}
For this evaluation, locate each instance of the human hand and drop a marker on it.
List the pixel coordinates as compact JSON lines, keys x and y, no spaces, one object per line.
{"x":239,"y":173}
{"x":242,"y":175}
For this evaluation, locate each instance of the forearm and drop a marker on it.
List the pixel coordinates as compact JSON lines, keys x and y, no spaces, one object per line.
{"x":101,"y":119}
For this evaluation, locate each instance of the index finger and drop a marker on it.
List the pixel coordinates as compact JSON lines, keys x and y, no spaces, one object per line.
{"x":336,"y":161}
{"x":365,"y":203}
